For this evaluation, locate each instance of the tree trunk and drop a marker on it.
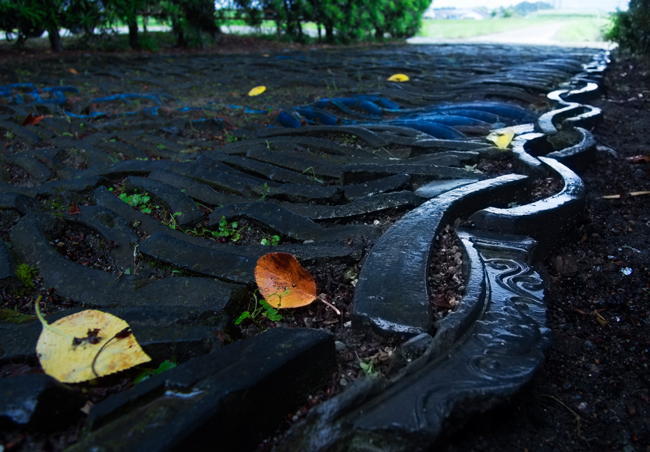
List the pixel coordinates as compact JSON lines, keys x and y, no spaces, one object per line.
{"x":329,"y":33}
{"x":178,"y":30}
{"x":134,"y":42}
{"x":55,"y":39}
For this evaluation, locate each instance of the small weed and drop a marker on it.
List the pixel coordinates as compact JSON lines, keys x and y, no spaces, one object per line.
{"x":368,"y":368}
{"x":147,"y":373}
{"x":140,"y":201}
{"x":9,"y":135}
{"x":312,"y":175}
{"x":265,"y":190}
{"x":57,"y":207}
{"x":261,"y":308}
{"x":172,"y":220}
{"x":230,"y":138}
{"x":26,"y":274}
{"x":13,"y":316}
{"x":228,"y":230}
{"x":274,"y":240}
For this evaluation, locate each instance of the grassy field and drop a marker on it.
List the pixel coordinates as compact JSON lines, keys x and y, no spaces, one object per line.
{"x":575,"y":27}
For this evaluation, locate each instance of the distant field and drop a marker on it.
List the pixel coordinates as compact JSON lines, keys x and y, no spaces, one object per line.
{"x":575,"y":27}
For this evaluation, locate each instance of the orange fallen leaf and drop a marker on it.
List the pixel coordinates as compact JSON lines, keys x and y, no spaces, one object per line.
{"x":32,"y":120}
{"x":73,"y":71}
{"x":283,"y":282}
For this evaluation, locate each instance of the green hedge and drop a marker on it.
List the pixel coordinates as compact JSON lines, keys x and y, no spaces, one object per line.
{"x":631,"y":28}
{"x":196,"y":22}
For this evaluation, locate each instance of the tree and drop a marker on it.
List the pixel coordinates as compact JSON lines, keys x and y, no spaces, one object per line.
{"x":631,"y":28}
{"x":84,"y":16}
{"x":127,"y":11}
{"x":23,"y":18}
{"x":191,"y":20}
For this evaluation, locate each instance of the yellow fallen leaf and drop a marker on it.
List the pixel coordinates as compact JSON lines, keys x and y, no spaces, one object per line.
{"x":501,"y":138}
{"x":87,"y":345}
{"x":399,"y":78}
{"x":256,"y":91}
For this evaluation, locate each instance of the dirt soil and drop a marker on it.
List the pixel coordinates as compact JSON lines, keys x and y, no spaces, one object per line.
{"x":592,"y":392}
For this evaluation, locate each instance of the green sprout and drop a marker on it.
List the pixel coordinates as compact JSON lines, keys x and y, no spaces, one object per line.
{"x":228,"y":230}
{"x":261,"y":308}
{"x":172,"y":220}
{"x":140,"y":201}
{"x":312,"y":175}
{"x":147,"y":373}
{"x":368,"y":368}
{"x":274,"y":240}
{"x":265,"y":190}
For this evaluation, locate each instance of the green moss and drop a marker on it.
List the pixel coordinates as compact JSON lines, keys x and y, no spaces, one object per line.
{"x":13,"y":316}
{"x":26,"y":274}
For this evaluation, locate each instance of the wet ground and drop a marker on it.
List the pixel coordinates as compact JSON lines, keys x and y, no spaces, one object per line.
{"x":182,"y":130}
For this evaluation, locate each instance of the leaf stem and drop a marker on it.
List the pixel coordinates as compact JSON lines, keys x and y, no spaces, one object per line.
{"x":44,"y":322}
{"x":328,"y":304}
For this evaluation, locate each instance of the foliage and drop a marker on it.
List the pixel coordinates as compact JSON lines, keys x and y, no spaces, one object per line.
{"x":273,"y":240}
{"x":147,"y":373}
{"x":196,"y":22}
{"x":13,"y":316}
{"x":171,"y":223}
{"x":631,"y":29}
{"x":261,"y":308}
{"x":368,"y":368}
{"x":22,"y":19}
{"x":140,"y":201}
{"x":228,"y":230}
{"x":83,"y":16}
{"x":26,"y":274}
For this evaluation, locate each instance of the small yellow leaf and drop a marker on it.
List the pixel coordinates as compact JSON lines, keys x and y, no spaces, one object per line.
{"x":399,"y":78}
{"x":501,"y":138}
{"x":87,"y":345}
{"x":256,"y":91}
